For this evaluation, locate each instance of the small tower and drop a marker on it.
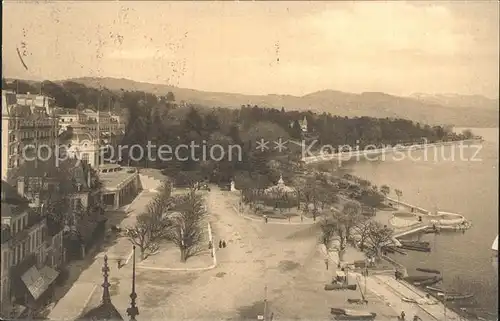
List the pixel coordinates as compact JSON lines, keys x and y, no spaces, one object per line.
{"x":106,"y":310}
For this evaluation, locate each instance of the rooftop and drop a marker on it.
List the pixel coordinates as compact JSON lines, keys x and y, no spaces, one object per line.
{"x":113,"y":180}
{"x":10,"y":195}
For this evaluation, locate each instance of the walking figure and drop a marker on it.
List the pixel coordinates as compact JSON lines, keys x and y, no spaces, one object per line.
{"x":119,"y":263}
{"x":220,"y":244}
{"x":210,"y":245}
{"x":224,"y":244}
{"x":265,"y":218}
{"x":402,"y":315}
{"x":326,"y":263}
{"x":302,"y":218}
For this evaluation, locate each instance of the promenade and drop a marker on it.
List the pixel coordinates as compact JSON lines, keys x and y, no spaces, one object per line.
{"x":349,"y":155}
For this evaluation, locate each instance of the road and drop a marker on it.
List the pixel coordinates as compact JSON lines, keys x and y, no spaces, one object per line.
{"x":284,"y":259}
{"x":282,"y":263}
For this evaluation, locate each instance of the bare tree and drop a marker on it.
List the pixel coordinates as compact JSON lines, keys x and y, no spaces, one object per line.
{"x":153,"y":225}
{"x":157,"y":214}
{"x":378,"y":236}
{"x":186,"y":230}
{"x":140,"y":235}
{"x":362,"y":230}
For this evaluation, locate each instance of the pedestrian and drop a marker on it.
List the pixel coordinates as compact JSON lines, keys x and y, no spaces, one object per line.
{"x":403,"y":315}
{"x":209,"y":245}
{"x":224,"y":244}
{"x":265,"y":218}
{"x":302,"y":218}
{"x":119,"y":263}
{"x":326,"y":263}
{"x":416,"y":318}
{"x":396,"y":275}
{"x":272,"y":316}
{"x":220,"y":244}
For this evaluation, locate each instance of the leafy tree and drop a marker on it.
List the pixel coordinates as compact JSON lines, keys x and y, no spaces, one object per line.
{"x":328,"y":229}
{"x":467,"y":134}
{"x":350,"y":217}
{"x":399,"y":193}
{"x":170,"y":97}
{"x":384,"y":189}
{"x":19,"y":86}
{"x":296,"y":130}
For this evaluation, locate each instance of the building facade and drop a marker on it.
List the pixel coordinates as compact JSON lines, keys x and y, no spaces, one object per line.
{"x":29,"y":264}
{"x":25,"y":123}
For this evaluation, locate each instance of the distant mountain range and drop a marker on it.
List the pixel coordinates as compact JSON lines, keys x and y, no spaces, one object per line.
{"x":451,"y":109}
{"x":455,"y":100}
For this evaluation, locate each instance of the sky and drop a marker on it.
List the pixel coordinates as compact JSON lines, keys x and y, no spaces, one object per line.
{"x":260,"y":47}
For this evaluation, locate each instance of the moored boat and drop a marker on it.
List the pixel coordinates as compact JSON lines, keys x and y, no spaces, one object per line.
{"x":418,"y":278}
{"x":415,"y":248}
{"x":415,"y":243}
{"x":348,"y":314}
{"x":454,"y":296}
{"x":431,"y":288}
{"x":429,"y":281}
{"x":428,"y":270}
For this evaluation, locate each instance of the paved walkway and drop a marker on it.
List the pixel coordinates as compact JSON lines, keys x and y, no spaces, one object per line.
{"x":73,"y":303}
{"x":392,"y":291}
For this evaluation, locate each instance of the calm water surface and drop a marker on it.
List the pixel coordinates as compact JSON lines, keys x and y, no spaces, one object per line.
{"x":461,"y":186}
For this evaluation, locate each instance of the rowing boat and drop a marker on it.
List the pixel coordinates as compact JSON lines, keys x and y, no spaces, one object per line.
{"x":454,"y":296}
{"x":428,"y":270}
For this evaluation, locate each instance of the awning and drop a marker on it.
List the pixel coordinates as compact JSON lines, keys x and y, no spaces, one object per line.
{"x":38,"y":281}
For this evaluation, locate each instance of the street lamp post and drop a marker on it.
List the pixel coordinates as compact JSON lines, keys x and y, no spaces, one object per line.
{"x":265,"y":303}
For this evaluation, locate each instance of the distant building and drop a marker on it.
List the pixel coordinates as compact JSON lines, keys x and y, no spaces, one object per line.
{"x":88,"y":133}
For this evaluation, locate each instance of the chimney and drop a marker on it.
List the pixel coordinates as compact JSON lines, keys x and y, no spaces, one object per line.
{"x":20,"y":186}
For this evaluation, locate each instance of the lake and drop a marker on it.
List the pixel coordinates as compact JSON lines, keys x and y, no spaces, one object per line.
{"x":466,"y":185}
